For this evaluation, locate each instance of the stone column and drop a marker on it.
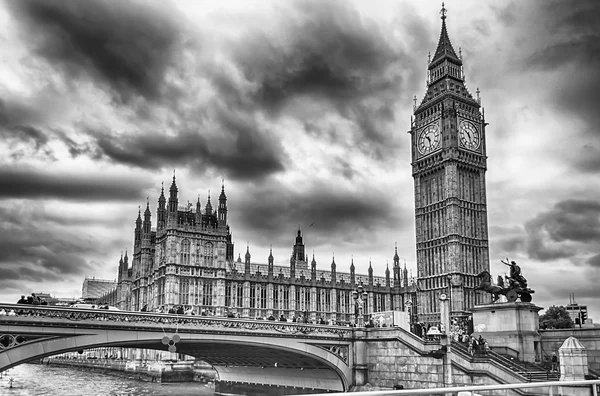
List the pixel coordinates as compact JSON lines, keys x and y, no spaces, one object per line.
{"x":360,"y":359}
{"x":573,"y":360}
{"x":573,"y":367}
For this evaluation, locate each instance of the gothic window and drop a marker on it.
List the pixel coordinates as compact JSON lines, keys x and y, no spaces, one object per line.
{"x":185,"y":252}
{"x":240,"y":295}
{"x":275,"y":298}
{"x":184,"y":290}
{"x":228,"y":295}
{"x":207,"y":292}
{"x":319,"y":300}
{"x":208,"y":254}
{"x":327,"y":301}
{"x":263,"y":297}
{"x":286,"y":298}
{"x":252,"y":296}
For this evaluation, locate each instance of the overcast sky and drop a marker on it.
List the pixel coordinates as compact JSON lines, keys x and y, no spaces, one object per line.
{"x":303,"y":108}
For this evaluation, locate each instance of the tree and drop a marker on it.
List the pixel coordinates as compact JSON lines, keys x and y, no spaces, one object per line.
{"x":556,"y":318}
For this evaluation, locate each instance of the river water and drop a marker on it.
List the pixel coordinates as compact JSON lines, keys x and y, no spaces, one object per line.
{"x":37,"y":380}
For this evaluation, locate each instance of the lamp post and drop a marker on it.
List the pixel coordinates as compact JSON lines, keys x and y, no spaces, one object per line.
{"x":360,"y":296}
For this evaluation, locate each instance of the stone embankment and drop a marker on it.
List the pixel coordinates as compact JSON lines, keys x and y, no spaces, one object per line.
{"x":182,"y":371}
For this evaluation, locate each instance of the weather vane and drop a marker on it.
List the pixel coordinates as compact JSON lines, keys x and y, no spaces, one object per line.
{"x":443,"y":11}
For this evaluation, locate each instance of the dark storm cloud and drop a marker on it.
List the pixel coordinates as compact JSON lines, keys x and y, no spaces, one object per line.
{"x":551,"y":234}
{"x":28,"y":183}
{"x":326,"y":53}
{"x":41,"y":251}
{"x":127,"y":45}
{"x":271,"y":210}
{"x":567,"y":41}
{"x":594,"y":261}
{"x":238,"y":147}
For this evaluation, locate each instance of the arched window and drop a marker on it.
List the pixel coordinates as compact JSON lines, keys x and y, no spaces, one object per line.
{"x":185,"y":252}
{"x":208,"y":254}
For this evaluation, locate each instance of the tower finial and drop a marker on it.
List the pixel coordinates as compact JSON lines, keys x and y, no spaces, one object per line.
{"x":443,"y":12}
{"x":414,"y":102}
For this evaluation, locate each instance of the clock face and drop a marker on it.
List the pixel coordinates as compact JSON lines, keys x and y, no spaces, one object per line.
{"x":429,"y":139}
{"x":468,"y":134}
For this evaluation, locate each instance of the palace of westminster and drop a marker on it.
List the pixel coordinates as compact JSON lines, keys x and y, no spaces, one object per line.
{"x":189,"y":258}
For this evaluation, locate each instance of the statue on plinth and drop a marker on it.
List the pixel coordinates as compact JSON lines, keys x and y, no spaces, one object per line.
{"x":517,"y":284}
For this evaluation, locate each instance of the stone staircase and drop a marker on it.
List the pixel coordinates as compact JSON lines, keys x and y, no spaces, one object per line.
{"x":532,"y":372}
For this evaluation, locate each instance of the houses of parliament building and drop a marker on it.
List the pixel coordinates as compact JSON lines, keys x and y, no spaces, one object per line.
{"x":188,"y":259}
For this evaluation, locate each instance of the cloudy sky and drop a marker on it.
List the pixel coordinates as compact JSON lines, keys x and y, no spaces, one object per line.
{"x":302,"y":107}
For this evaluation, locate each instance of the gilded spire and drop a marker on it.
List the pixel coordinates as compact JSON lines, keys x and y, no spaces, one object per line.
{"x":444,"y":48}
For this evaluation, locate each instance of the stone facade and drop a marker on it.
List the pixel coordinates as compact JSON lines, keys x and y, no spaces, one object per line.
{"x":188,"y":259}
{"x":510,"y":325}
{"x":449,"y":165}
{"x":552,"y":340}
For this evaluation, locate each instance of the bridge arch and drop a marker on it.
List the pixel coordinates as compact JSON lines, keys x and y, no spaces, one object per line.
{"x":322,"y":360}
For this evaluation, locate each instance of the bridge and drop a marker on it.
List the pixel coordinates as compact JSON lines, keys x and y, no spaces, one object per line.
{"x":269,"y":352}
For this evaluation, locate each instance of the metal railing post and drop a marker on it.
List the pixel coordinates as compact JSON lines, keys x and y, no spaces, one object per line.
{"x":595,"y":389}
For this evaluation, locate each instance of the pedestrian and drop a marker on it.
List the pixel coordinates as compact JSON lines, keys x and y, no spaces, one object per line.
{"x":554,"y":362}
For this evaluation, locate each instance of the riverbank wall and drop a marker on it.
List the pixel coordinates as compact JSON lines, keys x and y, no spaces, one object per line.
{"x":185,"y":371}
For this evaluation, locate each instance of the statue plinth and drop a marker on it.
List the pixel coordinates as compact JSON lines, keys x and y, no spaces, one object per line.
{"x":512,"y":325}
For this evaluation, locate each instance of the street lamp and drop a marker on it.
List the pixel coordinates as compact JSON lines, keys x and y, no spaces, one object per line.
{"x":360,"y":296}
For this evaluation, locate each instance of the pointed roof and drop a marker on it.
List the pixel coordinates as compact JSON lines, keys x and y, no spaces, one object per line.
{"x":313,"y":262}
{"x":271,"y":254}
{"x":173,"y":188}
{"x":248,"y":252}
{"x":162,"y":193}
{"x":208,"y":209}
{"x":443,"y":81}
{"x":138,"y":221}
{"x":396,"y":257}
{"x":444,"y":48}
{"x":147,"y":211}
{"x":572,"y":343}
{"x":222,"y":196}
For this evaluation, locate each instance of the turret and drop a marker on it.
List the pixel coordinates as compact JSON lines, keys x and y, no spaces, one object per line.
{"x":120,"y":273}
{"x":125,"y":267}
{"x":405,"y":276}
{"x":247,"y":261}
{"x":198,"y":212}
{"x":397,"y":278}
{"x":208,"y":210}
{"x":387,"y":275}
{"x":222,"y":214}
{"x":270,"y":266}
{"x":173,"y":202}
{"x":161,"y":212}
{"x":137,"y":239}
{"x":147,"y":226}
{"x":299,"y":247}
{"x":352,"y":273}
{"x":370,"y":274}
{"x":313,"y":269}
{"x":333,"y":272}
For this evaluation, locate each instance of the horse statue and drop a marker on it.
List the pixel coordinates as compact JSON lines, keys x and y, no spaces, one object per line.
{"x":516,"y":288}
{"x":487,"y":286}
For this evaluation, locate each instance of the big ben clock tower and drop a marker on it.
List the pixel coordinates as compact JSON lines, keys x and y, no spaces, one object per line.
{"x":448,"y":166}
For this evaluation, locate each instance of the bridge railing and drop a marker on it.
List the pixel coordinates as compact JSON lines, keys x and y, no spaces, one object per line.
{"x":24,"y":313}
{"x":551,"y":387}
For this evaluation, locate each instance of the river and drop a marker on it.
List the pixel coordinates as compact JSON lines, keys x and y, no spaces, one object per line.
{"x":37,"y":380}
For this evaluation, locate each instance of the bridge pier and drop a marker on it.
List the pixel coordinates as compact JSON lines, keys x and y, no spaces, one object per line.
{"x":361,"y":367}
